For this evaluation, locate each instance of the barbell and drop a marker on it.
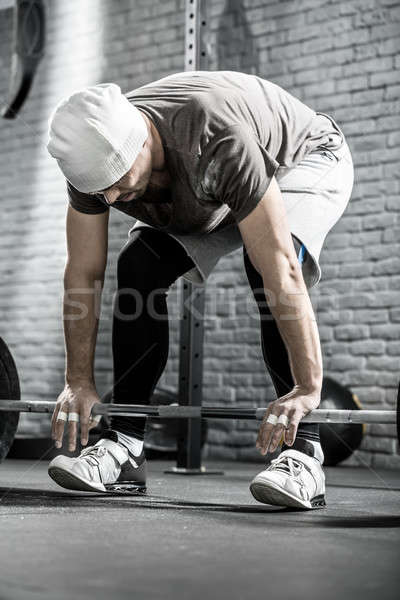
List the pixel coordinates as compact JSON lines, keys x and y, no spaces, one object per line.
{"x":208,"y":412}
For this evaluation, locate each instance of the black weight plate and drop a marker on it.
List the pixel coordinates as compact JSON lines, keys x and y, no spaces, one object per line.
{"x":339,"y":440}
{"x":9,"y":389}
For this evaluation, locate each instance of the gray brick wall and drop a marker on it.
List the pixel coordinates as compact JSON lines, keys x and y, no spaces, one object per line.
{"x":340,"y":57}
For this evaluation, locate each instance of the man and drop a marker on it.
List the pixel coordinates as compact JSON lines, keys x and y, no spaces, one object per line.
{"x":206,"y":162}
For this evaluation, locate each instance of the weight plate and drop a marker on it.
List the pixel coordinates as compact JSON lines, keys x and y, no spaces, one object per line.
{"x":9,"y":388}
{"x":339,"y":440}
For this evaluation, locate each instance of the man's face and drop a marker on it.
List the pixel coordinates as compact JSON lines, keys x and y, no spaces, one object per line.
{"x":134,"y":183}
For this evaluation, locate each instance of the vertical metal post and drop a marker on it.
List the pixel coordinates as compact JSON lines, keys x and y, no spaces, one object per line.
{"x":192,"y":297}
{"x":190,"y":375}
{"x":196,"y":58}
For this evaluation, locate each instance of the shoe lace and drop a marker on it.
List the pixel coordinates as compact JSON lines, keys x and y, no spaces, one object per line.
{"x":93,"y":454}
{"x":287,"y":464}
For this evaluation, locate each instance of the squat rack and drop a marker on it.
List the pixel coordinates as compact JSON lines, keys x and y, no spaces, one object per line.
{"x":191,"y":335}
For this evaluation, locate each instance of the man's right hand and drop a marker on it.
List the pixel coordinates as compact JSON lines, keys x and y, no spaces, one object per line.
{"x":78,"y":399}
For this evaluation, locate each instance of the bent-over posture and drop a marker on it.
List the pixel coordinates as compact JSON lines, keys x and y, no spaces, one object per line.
{"x":206,"y":162}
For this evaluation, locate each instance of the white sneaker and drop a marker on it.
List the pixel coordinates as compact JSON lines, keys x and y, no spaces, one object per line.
{"x":100,"y":468}
{"x":294,"y":479}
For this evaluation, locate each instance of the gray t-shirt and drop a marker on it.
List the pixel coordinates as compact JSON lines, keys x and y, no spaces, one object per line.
{"x":224,"y":135}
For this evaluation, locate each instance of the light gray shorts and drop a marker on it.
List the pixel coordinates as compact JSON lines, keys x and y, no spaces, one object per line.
{"x":316,"y":192}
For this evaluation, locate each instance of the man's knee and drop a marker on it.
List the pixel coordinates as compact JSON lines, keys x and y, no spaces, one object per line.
{"x":151,"y":259}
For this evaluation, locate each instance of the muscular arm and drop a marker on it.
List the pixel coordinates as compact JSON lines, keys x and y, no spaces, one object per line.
{"x":268,"y":242}
{"x":87,"y":237}
{"x":87,"y":240}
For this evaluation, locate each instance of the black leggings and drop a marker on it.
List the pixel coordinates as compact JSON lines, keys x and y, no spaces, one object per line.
{"x":147,"y":266}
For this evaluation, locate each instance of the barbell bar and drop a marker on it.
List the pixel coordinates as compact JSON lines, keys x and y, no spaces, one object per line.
{"x":211,"y":412}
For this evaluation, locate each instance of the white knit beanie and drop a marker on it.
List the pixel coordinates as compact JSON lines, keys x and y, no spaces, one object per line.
{"x":96,"y":134}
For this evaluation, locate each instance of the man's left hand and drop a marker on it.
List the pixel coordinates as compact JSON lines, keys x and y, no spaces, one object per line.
{"x":287,"y":413}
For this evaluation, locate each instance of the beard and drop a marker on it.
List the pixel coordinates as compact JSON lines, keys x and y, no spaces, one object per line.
{"x":154,"y":194}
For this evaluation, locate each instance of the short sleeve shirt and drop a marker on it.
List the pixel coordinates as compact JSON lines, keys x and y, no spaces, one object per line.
{"x":224,"y":135}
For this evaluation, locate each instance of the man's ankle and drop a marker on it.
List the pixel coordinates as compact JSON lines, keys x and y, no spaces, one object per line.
{"x":130,"y":442}
{"x":312,"y":448}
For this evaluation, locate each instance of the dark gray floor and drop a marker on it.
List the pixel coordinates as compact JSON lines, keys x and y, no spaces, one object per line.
{"x":213,"y":541}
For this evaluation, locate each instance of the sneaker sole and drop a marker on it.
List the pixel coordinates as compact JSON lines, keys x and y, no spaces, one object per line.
{"x":127,"y":487}
{"x":72,"y":482}
{"x":270,"y":494}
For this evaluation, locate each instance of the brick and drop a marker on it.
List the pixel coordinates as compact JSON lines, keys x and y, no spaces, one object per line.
{"x":323,"y":13}
{"x":368,"y":347}
{"x":365,"y":378}
{"x":339,"y":239}
{"x":394,"y":139}
{"x":387,"y":123}
{"x":351,"y":38}
{"x":369,"y":142}
{"x":354,"y":270}
{"x":255,"y":395}
{"x":383,"y":362}
{"x":378,"y":444}
{"x":372,"y":65}
{"x":343,"y":363}
{"x":377,"y":221}
{"x":381,"y":32}
{"x":285,"y":52}
{"x":379,"y":252}
{"x":395,"y":315}
{"x":371,"y":316}
{"x":340,"y":56}
{"x":296,"y":34}
{"x":390,"y":46}
{"x":364,"y":51}
{"x":392,"y":203}
{"x":387,"y":267}
{"x":343,"y":256}
{"x":353,"y":83}
{"x":224,"y":350}
{"x":301,"y":63}
{"x":351,"y":332}
{"x":374,"y":17}
{"x":395,"y":283}
{"x":368,"y":396}
{"x":319,"y":44}
{"x":337,"y":101}
{"x":384,"y":332}
{"x":384,"y":78}
{"x":382,"y":430}
{"x":389,"y":170}
{"x":392,"y":234}
{"x":392,"y":92}
{"x":325,"y":333}
{"x":393,"y":348}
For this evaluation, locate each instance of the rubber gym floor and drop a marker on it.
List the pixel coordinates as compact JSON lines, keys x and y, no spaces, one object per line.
{"x":197,"y":537}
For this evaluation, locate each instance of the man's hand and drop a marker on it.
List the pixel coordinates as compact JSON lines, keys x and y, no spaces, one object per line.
{"x":294,"y":405}
{"x":78,"y":399}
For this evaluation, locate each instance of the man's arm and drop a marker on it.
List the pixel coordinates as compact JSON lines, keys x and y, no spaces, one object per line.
{"x":87,"y":243}
{"x":266,"y":235}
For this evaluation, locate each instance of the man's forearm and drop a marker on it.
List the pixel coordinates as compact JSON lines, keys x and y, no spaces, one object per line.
{"x":291,"y":307}
{"x":81,"y":315}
